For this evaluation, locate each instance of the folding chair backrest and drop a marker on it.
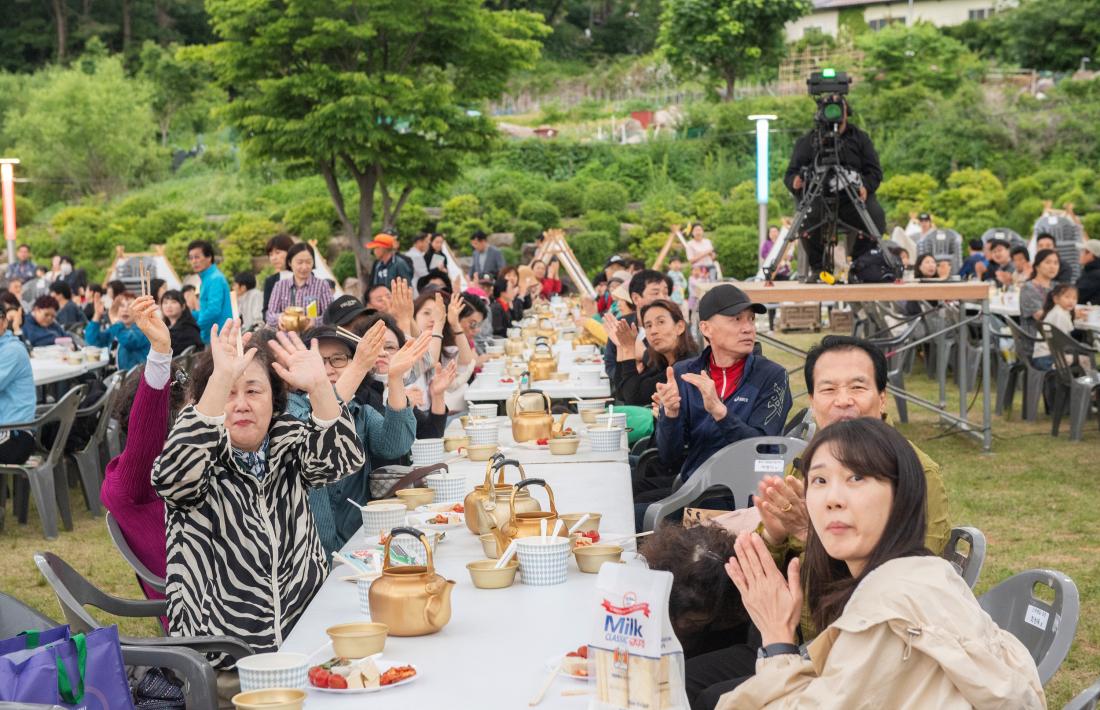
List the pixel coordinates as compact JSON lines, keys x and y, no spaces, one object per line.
{"x":63,"y":413}
{"x":1024,"y":341}
{"x":1045,"y":628}
{"x":730,"y":469}
{"x":143,"y":572}
{"x":71,"y":589}
{"x":1067,"y":239}
{"x":1087,"y":699}
{"x":1063,"y":348}
{"x":1004,"y":234}
{"x":103,"y":407}
{"x":967,"y":562}
{"x":942,"y":244}
{"x":16,"y":617}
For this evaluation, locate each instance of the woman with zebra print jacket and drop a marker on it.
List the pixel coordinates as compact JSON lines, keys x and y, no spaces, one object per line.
{"x":244,"y":558}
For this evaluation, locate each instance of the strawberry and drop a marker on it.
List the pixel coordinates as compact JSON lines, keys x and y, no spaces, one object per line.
{"x":318,"y":677}
{"x":582,"y":651}
{"x":542,"y":442}
{"x":337,"y":681}
{"x":592,"y":535}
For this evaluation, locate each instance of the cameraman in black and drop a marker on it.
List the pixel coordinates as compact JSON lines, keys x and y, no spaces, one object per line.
{"x":857,"y":158}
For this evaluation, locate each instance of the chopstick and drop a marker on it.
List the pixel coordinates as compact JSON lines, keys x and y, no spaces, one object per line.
{"x":546,"y":686}
{"x":143,"y":276}
{"x":348,"y":334}
{"x":575,"y":691}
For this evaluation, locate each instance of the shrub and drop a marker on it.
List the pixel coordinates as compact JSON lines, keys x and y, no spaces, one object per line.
{"x":736,"y":247}
{"x":606,"y":197}
{"x":159,"y":224}
{"x":25,"y":209}
{"x":504,"y":197}
{"x":344,"y":266}
{"x":541,"y":212}
{"x":567,"y":197}
{"x":136,"y":206}
{"x":457,"y":212}
{"x":602,"y":222}
{"x":412,"y":220}
{"x":592,"y":249}
{"x":526,"y":230}
{"x":315,"y":209}
{"x":251,"y":237}
{"x":705,"y":205}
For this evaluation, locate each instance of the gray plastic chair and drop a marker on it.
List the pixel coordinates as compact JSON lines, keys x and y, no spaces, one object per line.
{"x":1004,"y":234}
{"x":45,"y":474}
{"x":87,"y":458}
{"x":1071,"y":391}
{"x":1046,"y":629}
{"x":143,"y":573}
{"x":73,"y":592}
{"x":728,"y":469}
{"x":967,"y":563}
{"x":1067,"y":235}
{"x":1087,"y":699}
{"x":942,"y":244}
{"x":1031,"y":377}
{"x":199,"y":680}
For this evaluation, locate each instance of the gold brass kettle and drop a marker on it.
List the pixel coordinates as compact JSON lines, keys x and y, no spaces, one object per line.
{"x":547,"y":330}
{"x":524,"y":523}
{"x":528,"y":422}
{"x":479,"y":521}
{"x":542,"y":363}
{"x":294,"y":319}
{"x":411,"y":600}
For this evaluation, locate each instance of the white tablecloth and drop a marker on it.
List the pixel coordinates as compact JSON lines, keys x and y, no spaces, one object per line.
{"x":47,"y":371}
{"x":494,"y":652}
{"x":487,"y":387}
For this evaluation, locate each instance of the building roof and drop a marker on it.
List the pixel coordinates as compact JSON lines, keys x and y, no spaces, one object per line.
{"x":836,"y":4}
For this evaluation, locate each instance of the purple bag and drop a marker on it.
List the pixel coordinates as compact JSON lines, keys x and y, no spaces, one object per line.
{"x":33,"y":639}
{"x":85,"y":672}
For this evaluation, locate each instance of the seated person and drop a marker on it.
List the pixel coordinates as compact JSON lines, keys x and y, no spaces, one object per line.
{"x":17,"y":396}
{"x":1021,"y":265}
{"x":433,"y":279}
{"x":181,"y":323}
{"x":943,"y":269}
{"x":42,"y":327}
{"x":724,"y":395}
{"x":872,"y":586}
{"x":68,"y":313}
{"x":667,"y":342}
{"x":1000,"y":263}
{"x":244,"y":558}
{"x":503,"y":307}
{"x":845,"y":379}
{"x":1065,"y":269}
{"x":379,"y":298}
{"x":133,"y":346}
{"x":644,"y":287}
{"x":975,"y":264}
{"x":384,"y":435}
{"x":1060,"y":307}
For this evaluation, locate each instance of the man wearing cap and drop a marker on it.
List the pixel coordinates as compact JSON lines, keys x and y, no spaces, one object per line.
{"x":724,"y":395}
{"x":614,"y":263}
{"x":388,"y":263}
{"x":487,"y":261}
{"x":925,"y":221}
{"x":1088,"y":284}
{"x":347,"y":312}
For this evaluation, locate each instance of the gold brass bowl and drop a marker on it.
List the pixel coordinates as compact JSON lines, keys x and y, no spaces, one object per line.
{"x":593,"y":522}
{"x":454,"y":443}
{"x":270,"y":699}
{"x":489,"y":544}
{"x":415,"y":497}
{"x":564,"y":445}
{"x":357,"y":640}
{"x":485,"y":577}
{"x":480,"y":452}
{"x":591,"y":557}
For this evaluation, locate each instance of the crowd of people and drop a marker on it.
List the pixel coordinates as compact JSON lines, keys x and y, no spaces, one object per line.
{"x":234,"y":474}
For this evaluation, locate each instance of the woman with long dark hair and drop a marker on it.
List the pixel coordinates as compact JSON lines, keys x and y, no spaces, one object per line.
{"x":667,"y":341}
{"x":900,"y":626}
{"x":181,"y":324}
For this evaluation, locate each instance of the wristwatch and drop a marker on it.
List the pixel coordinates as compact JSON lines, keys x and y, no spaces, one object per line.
{"x":777,"y":649}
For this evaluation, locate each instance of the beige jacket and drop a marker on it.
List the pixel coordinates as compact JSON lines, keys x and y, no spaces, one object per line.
{"x":912,"y":637}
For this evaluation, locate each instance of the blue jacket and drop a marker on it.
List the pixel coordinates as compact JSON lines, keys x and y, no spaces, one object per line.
{"x":387,"y":436}
{"x":133,"y":346}
{"x":214,"y":306}
{"x":16,"y":381}
{"x":37,"y":335}
{"x":758,"y":407}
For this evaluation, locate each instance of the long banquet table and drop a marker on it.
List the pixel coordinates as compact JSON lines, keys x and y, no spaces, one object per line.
{"x":494,"y":653}
{"x":488,"y":387}
{"x":49,"y":370}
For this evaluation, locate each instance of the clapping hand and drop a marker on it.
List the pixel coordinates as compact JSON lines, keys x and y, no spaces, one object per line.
{"x":773,"y":603}
{"x":401,"y":303}
{"x":611,"y":325}
{"x":415,"y":395}
{"x":369,"y":347}
{"x":223,"y":349}
{"x":454,"y":309}
{"x":782,"y":508}
{"x":711,"y":401}
{"x":300,"y":367}
{"x":149,"y":322}
{"x":668,"y":395}
{"x":442,"y":379}
{"x":626,"y":338}
{"x":404,"y":359}
{"x":97,"y":305}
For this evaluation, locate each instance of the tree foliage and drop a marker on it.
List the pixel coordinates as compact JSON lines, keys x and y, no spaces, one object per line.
{"x":385,"y":92}
{"x":726,"y":39}
{"x":180,"y":86}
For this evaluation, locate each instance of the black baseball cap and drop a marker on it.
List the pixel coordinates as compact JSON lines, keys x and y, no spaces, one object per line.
{"x":924,"y":217}
{"x":726,"y":300}
{"x":613,"y":259}
{"x":328,"y":332}
{"x":345,"y":309}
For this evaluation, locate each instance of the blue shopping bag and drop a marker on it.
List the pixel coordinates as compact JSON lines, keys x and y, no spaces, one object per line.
{"x":33,"y":639}
{"x":83,"y":672}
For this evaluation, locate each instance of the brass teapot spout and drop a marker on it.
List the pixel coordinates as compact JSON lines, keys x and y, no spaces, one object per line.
{"x":437,"y":612}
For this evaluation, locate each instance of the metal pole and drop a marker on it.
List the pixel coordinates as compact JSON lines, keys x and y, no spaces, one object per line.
{"x":762,"y":121}
{"x":7,"y":191}
{"x":987,"y":424}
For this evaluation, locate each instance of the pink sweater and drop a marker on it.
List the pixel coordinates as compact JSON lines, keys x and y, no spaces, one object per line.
{"x":127,"y":491}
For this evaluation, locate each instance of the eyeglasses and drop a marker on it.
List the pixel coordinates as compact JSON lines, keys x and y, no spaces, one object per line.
{"x":390,"y":349}
{"x":338,"y":362}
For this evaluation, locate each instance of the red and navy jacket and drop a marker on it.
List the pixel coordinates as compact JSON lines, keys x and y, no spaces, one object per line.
{"x":757,"y":407}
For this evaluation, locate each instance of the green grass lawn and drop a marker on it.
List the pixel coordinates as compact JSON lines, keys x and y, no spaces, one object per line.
{"x":1031,"y":498}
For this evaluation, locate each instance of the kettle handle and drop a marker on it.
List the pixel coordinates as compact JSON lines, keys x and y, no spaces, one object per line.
{"x":490,"y":465}
{"x":527,"y":482}
{"x":414,"y":533}
{"x":549,"y":402}
{"x":500,"y":464}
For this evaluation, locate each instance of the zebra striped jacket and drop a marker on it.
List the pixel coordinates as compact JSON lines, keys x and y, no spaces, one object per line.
{"x":244,"y":558}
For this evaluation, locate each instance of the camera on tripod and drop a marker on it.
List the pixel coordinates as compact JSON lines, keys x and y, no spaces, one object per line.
{"x":828,"y":87}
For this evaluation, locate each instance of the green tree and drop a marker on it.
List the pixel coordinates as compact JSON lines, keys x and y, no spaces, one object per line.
{"x":84,"y":131}
{"x":726,"y":39}
{"x":904,"y":57}
{"x":382,"y":91}
{"x":1049,"y":34}
{"x":178,"y":85}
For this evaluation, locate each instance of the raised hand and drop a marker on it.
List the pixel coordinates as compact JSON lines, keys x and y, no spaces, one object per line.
{"x":401,"y":303}
{"x":611,"y":325}
{"x":415,"y":395}
{"x":404,"y":359}
{"x":300,"y":367}
{"x":782,"y":508}
{"x":773,"y":603}
{"x":711,"y":401}
{"x":147,"y":319}
{"x":454,"y":309}
{"x":442,"y":379}
{"x":369,"y":347}
{"x":223,"y":349}
{"x":668,"y":394}
{"x":97,"y":305}
{"x":626,"y":337}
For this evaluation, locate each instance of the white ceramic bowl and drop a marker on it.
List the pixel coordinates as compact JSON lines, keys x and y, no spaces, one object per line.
{"x":273,"y":670}
{"x":588,"y":374}
{"x":617,"y":420}
{"x":449,"y":488}
{"x":482,"y":409}
{"x":605,"y":440}
{"x":382,"y":518}
{"x":543,"y":564}
{"x":483,"y":434}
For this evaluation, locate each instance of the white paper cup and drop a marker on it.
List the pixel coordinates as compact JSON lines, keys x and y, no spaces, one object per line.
{"x":588,"y":374}
{"x":483,"y":434}
{"x":449,"y":488}
{"x":273,"y":670}
{"x":382,"y":518}
{"x":606,"y":440}
{"x":427,"y":451}
{"x":364,"y":595}
{"x":617,"y":420}
{"x":543,"y":564}
{"x":482,"y":409}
